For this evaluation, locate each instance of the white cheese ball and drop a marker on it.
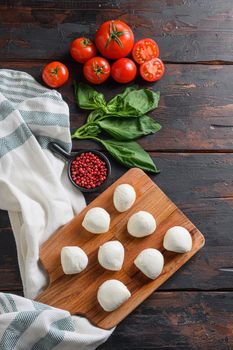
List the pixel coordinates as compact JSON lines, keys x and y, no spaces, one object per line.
{"x":150,"y":262}
{"x":177,"y":239}
{"x":111,"y":255}
{"x":124,"y":197}
{"x":112,"y":294}
{"x":73,"y":260}
{"x":96,"y":220}
{"x":141,"y":224}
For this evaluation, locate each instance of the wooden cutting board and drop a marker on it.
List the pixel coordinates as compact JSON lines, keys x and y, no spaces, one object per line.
{"x":77,"y":293}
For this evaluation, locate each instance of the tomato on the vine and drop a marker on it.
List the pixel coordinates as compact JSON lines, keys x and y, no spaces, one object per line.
{"x":123,"y":70}
{"x":55,"y":74}
{"x":114,"y":39}
{"x":152,"y":70}
{"x":96,"y":70}
{"x":82,"y":49}
{"x":144,"y":50}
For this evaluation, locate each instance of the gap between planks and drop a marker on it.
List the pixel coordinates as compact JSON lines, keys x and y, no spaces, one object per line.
{"x":178,"y":152}
{"x":38,"y":60}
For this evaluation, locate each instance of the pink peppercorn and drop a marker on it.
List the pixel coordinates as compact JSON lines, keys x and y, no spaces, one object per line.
{"x":88,"y":170}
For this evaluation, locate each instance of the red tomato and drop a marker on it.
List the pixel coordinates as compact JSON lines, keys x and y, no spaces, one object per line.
{"x":152,"y":70}
{"x":123,"y":70}
{"x":55,"y":74}
{"x":96,"y":70}
{"x":114,"y":39}
{"x":82,"y":49}
{"x":144,"y":50}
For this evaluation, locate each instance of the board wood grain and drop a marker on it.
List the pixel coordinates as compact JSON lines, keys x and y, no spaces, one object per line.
{"x":77,"y":293}
{"x":203,"y":191}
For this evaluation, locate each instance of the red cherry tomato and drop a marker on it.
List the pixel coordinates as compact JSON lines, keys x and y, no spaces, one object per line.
{"x":82,"y":49}
{"x":152,"y":70}
{"x":114,"y":39}
{"x":144,"y":50}
{"x":96,"y":70}
{"x":123,"y":70}
{"x":55,"y":74}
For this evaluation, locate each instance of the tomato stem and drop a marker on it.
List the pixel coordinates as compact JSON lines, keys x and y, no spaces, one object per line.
{"x":54,"y":71}
{"x":115,"y":35}
{"x":86,"y":42}
{"x":98,"y":69}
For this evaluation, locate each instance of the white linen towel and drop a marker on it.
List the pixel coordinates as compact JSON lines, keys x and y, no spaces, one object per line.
{"x":31,"y":190}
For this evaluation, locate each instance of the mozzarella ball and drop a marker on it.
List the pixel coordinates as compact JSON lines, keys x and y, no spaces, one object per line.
{"x":177,"y":239}
{"x":150,"y":262}
{"x":73,"y":260}
{"x":141,"y":224}
{"x":111,"y":255}
{"x":112,"y":294}
{"x":96,"y":220}
{"x":124,"y":197}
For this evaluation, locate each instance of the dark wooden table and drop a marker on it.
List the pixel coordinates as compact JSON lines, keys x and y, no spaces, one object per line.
{"x":194,"y":309}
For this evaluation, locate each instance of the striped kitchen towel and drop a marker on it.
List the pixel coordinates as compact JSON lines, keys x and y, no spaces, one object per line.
{"x":32,"y":191}
{"x":28,"y":325}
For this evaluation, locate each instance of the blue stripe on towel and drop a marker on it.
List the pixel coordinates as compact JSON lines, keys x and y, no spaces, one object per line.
{"x":11,"y":92}
{"x":40,"y":306}
{"x":6,"y":108}
{"x":16,"y":328}
{"x":12,"y":302}
{"x":45,"y":118}
{"x":55,"y":334}
{"x":3,"y":305}
{"x":32,"y":86}
{"x":19,"y":76}
{"x":12,"y":141}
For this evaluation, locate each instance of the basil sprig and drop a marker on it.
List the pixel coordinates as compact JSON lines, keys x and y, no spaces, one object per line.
{"x":130,"y":128}
{"x":124,"y":118}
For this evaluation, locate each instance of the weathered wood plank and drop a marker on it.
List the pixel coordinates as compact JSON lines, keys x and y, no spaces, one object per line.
{"x":176,"y":320}
{"x":9,"y":271}
{"x":196,"y":107}
{"x":181,"y":321}
{"x":201,"y":185}
{"x":4,"y":219}
{"x":187,"y":31}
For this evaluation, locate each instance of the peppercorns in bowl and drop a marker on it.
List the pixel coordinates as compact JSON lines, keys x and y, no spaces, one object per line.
{"x":87,"y":170}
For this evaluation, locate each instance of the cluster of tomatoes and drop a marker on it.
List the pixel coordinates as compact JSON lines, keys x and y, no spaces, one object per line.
{"x":114,"y":40}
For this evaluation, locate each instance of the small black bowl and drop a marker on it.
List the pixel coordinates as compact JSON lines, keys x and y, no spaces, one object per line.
{"x":57,"y":149}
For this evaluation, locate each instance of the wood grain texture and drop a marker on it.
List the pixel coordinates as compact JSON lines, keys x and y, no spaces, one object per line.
{"x":177,"y":321}
{"x":77,"y":294}
{"x":4,"y":219}
{"x":186,"y":31}
{"x":195,"y":110}
{"x":9,"y":275}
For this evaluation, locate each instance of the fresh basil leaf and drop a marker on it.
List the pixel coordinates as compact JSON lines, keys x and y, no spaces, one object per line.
{"x":87,"y":130}
{"x":113,"y":104}
{"x":88,"y":98}
{"x":143,"y":100}
{"x":96,"y":114}
{"x":92,"y":130}
{"x":133,"y":103}
{"x":130,"y":154}
{"x":129,"y":129}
